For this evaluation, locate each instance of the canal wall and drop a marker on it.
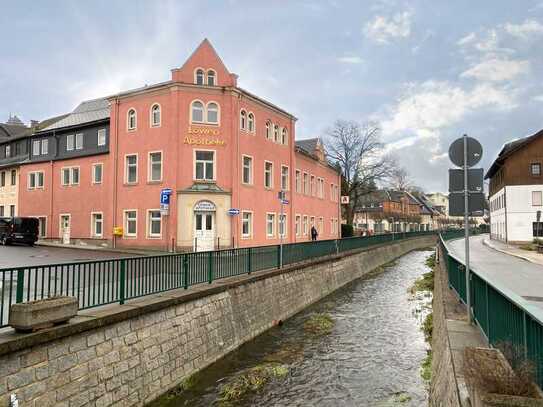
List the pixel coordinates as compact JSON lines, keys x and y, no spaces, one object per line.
{"x":128,"y":355}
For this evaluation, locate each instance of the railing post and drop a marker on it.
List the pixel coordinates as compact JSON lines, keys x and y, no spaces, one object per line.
{"x":525,"y":329}
{"x":122,"y":282}
{"x":278,"y":256}
{"x":185,"y":271}
{"x":210,"y":266}
{"x":20,"y":285}
{"x":249,"y":260}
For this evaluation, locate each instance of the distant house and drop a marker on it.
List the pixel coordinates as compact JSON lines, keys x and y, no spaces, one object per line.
{"x":385,"y":211}
{"x":516,"y":190}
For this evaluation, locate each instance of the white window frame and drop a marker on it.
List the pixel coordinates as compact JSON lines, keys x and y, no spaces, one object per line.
{"x":93,"y":225}
{"x":276,"y":138}
{"x":204,"y":114}
{"x":150,"y":168}
{"x":149,"y":233}
{"x":36,"y":148}
{"x":243,"y":119}
{"x":40,"y":217}
{"x":126,"y":181}
{"x":282,"y":219}
{"x":271,"y":175}
{"x":306,"y":183}
{"x":298,"y":181}
{"x":101,"y":137}
{"x":60,"y":216}
{"x":70,"y":176}
{"x":243,"y":157}
{"x":213,"y":179}
{"x":44,"y":146}
{"x":8,"y":151}
{"x":269,"y":130}
{"x":298,"y":224}
{"x":286,"y":186}
{"x":284,"y":136}
{"x":540,"y":195}
{"x":251,"y":123}
{"x":250,"y":234}
{"x":125,"y":223}
{"x":305,"y":225}
{"x":313,"y":185}
{"x":128,"y":127}
{"x":272,"y":235}
{"x":93,"y":173}
{"x":152,"y":116}
{"x":34,"y":174}
{"x":79,"y":143}
{"x":70,"y":142}
{"x":196,"y":76}
{"x":206,"y":79}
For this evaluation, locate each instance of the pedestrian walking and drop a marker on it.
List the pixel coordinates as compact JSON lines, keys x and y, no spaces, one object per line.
{"x":314,"y":233}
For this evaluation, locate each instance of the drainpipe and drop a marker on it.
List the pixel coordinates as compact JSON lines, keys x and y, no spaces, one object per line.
{"x":115,"y":169}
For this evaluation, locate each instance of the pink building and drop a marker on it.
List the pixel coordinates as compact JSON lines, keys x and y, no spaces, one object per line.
{"x":217,"y":147}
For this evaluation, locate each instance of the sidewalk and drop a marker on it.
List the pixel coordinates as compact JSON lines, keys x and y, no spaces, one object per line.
{"x":101,"y":248}
{"x":527,"y":255}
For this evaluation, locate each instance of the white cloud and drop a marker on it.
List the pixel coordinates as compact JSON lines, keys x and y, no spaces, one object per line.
{"x":538,"y":98}
{"x":525,"y":29}
{"x":434,"y":105}
{"x":350,"y":60}
{"x":497,"y":69}
{"x":468,"y":39}
{"x":384,"y":29}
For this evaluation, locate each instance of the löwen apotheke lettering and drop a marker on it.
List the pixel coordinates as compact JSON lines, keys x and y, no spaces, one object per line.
{"x":204,"y":141}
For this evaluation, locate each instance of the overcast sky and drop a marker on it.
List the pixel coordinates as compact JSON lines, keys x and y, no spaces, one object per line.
{"x":427,"y":71}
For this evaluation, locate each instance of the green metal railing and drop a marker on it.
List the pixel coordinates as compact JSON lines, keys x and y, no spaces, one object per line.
{"x":500,"y":315}
{"x":103,"y":282}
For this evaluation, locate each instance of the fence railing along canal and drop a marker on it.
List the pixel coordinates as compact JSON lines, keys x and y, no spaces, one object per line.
{"x":500,"y":316}
{"x":102,"y":282}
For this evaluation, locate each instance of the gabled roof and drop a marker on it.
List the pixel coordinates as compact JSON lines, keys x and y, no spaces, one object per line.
{"x":308,"y":145}
{"x":87,"y":112}
{"x":509,"y":149}
{"x":205,"y":45}
{"x":10,"y":132}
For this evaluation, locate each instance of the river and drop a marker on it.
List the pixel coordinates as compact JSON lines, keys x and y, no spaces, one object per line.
{"x":372,"y":356}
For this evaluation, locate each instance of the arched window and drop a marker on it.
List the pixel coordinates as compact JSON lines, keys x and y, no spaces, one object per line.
{"x":284,"y":136}
{"x":211,"y":78}
{"x":155,"y":115}
{"x":212,"y":113}
{"x":199,"y":77}
{"x":276,"y":133}
{"x":131,"y":119}
{"x":197,"y":112}
{"x":242,"y":119}
{"x":268,"y":130}
{"x":251,"y":122}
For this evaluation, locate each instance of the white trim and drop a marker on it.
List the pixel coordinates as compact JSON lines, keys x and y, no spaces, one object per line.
{"x":151,"y":123}
{"x":271,"y":175}
{"x":298,"y":190}
{"x":104,"y":130}
{"x":148,"y":234}
{"x":203,"y":78}
{"x":241,"y":126}
{"x":215,"y":75}
{"x":35,"y":173}
{"x":128,"y":128}
{"x":93,"y":233}
{"x":251,"y":175}
{"x":298,"y":227}
{"x":60,"y":216}
{"x":253,"y":131}
{"x":126,"y":169}
{"x":46,"y":221}
{"x":288,"y":177}
{"x":285,"y":225}
{"x":218,"y":122}
{"x":251,"y":225}
{"x":93,"y":174}
{"x":149,"y":169}
{"x":204,"y":115}
{"x":71,"y":182}
{"x":125,"y":224}
{"x":272,"y":235}
{"x":194,"y":165}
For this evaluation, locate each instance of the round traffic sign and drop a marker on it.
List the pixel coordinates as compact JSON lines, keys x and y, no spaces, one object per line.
{"x":474,"y":151}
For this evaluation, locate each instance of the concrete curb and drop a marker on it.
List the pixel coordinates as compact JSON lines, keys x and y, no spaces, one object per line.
{"x":97,"y":249}
{"x":487,"y":243}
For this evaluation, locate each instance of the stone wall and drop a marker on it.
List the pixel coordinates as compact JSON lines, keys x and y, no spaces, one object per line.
{"x":134,"y":357}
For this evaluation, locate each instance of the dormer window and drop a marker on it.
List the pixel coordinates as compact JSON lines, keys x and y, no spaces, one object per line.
{"x":131,"y":119}
{"x":243,"y":120}
{"x":155,"y":115}
{"x":199,"y":77}
{"x":210,"y":78}
{"x":251,"y":122}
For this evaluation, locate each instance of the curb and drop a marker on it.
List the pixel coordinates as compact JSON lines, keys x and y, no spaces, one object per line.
{"x":92,"y":248}
{"x":488,"y":244}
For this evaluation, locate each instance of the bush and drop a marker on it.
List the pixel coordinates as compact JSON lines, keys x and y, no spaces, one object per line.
{"x":347,"y":230}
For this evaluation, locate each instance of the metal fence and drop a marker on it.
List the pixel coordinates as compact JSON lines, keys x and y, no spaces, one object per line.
{"x":500,"y":317}
{"x":103,"y":282}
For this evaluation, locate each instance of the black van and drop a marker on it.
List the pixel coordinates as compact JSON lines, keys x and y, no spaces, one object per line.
{"x":19,"y":230}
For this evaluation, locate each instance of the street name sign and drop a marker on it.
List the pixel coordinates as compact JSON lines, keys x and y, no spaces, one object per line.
{"x":233,"y":211}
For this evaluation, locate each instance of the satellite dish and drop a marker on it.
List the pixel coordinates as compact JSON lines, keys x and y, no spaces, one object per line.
{"x":456,"y":151}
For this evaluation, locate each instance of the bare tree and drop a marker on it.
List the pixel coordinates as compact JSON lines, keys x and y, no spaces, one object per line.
{"x":400,"y":179}
{"x":359,"y":153}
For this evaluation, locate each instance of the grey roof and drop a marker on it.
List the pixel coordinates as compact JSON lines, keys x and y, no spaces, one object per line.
{"x":308,"y":145}
{"x":87,"y":112}
{"x":11,"y":131}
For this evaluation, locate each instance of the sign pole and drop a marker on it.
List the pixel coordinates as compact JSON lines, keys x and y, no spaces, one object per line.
{"x":466,"y":227}
{"x":281,"y":221}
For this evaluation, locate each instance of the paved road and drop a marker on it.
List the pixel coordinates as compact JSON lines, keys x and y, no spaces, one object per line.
{"x":523,"y":278}
{"x":16,"y":256}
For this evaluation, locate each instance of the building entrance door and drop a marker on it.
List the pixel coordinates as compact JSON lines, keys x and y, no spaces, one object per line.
{"x":65,"y":228}
{"x":204,"y":231}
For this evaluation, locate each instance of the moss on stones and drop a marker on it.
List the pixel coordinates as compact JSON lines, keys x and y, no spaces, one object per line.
{"x":319,"y":324}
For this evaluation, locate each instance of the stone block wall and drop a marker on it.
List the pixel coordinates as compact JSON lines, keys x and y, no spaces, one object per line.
{"x":133,"y":361}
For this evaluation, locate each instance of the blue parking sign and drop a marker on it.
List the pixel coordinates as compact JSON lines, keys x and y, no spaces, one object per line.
{"x":165,"y":196}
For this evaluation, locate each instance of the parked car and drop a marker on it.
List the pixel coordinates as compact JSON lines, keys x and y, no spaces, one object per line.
{"x":19,"y":230}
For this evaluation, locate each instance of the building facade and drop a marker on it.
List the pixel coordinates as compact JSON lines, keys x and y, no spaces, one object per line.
{"x":223,"y":153}
{"x":516,"y":190}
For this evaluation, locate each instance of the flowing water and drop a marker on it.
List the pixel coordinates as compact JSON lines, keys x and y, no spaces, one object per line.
{"x":372,"y":356}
